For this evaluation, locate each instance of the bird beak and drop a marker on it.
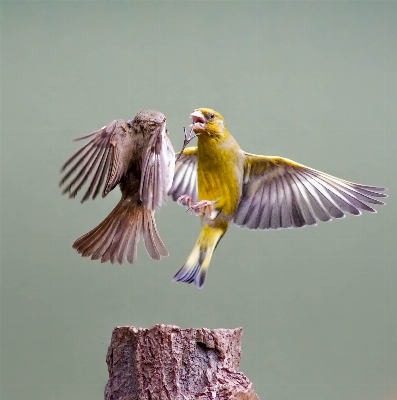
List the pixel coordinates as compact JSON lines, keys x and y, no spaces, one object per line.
{"x":198,"y":121}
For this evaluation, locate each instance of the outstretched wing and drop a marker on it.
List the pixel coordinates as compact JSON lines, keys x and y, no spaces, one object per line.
{"x":280,"y":193}
{"x":105,"y":155}
{"x":157,"y":169}
{"x":185,"y":176}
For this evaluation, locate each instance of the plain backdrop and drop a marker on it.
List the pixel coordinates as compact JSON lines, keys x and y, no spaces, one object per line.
{"x":314,"y":81}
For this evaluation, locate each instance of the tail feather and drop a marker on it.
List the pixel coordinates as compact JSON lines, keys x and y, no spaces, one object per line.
{"x":92,"y":241}
{"x":154,"y":245}
{"x":196,"y":266}
{"x":116,"y":238}
{"x":122,"y":254}
{"x":100,"y":242}
{"x":111,"y":252}
{"x":99,"y":237}
{"x":149,"y":241}
{"x":133,"y":242}
{"x":157,"y":239}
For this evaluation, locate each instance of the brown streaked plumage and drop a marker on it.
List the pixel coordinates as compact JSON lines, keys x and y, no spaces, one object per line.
{"x":138,"y":156}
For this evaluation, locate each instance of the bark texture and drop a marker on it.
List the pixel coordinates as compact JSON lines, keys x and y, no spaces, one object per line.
{"x":166,"y":362}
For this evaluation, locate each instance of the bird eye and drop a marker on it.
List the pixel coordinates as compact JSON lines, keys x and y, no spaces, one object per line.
{"x":212,"y":115}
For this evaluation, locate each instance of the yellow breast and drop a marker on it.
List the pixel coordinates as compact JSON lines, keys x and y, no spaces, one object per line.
{"x":220,"y":171}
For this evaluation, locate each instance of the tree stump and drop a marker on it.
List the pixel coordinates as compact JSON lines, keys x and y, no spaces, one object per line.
{"x":166,"y":362}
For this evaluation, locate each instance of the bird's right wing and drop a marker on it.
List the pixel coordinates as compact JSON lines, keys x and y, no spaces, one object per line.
{"x":157,"y":169}
{"x":105,"y":155}
{"x":185,"y":176}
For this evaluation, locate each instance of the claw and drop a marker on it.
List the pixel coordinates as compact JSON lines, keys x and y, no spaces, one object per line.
{"x":202,"y":207}
{"x":185,"y":200}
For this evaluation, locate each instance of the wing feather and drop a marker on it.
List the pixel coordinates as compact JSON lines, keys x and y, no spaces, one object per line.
{"x":274,"y":216}
{"x":157,"y":164}
{"x":97,"y":174}
{"x":180,"y":176}
{"x":243,"y":209}
{"x":105,"y":162}
{"x":303,"y":198}
{"x":83,"y":174}
{"x":252,"y":219}
{"x":106,"y":154}
{"x":344,"y":200}
{"x":285,"y":199}
{"x":357,"y":192}
{"x":192,"y":186}
{"x":280,"y":193}
{"x":297,"y":219}
{"x":185,"y":176}
{"x":323,"y":197}
{"x":264,"y":220}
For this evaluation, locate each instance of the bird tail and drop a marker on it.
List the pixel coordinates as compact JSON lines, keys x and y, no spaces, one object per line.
{"x":117,"y":236}
{"x":196,"y":266}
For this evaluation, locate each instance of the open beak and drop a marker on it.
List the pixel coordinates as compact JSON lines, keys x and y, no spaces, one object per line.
{"x":198,"y":120}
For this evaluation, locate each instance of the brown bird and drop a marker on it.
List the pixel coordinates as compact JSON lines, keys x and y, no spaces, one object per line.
{"x":138,"y":156}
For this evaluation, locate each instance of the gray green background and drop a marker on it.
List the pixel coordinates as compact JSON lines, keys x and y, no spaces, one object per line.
{"x":314,"y":81}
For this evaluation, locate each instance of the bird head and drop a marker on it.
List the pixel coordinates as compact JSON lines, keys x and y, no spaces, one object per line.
{"x":207,"y":121}
{"x":148,"y":121}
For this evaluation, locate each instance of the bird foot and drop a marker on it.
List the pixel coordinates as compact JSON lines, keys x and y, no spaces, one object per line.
{"x":202,"y":207}
{"x":185,"y":200}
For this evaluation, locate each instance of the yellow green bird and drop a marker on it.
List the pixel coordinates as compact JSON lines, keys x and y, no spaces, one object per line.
{"x":225,"y":185}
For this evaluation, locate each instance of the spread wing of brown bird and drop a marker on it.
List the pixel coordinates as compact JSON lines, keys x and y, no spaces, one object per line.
{"x":138,"y":156}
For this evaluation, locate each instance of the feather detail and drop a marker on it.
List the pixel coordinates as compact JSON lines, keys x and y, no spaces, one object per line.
{"x":157,"y":170}
{"x":115,"y":239}
{"x":185,"y":176}
{"x":280,"y":193}
{"x":107,"y":153}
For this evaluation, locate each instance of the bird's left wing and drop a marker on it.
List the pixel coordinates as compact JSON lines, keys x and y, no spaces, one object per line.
{"x":185,"y":177}
{"x":280,"y":193}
